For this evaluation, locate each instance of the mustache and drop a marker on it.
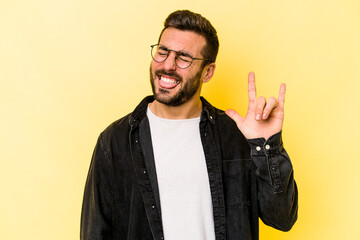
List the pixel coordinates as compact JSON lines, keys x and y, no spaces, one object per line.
{"x":170,"y":74}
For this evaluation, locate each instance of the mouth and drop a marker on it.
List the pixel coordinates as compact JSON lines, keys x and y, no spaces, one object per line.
{"x":167,"y":82}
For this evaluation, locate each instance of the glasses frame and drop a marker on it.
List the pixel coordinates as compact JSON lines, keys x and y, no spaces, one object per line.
{"x":177,"y":54}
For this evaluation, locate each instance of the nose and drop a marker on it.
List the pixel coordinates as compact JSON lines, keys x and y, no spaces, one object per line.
{"x":169,"y":63}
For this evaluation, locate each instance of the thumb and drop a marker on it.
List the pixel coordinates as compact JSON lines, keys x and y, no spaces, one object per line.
{"x":238,"y":119}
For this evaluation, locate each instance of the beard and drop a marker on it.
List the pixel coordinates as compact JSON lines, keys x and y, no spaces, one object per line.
{"x":184,"y":94}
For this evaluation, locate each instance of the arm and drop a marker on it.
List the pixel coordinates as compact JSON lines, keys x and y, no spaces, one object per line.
{"x":277,"y":191}
{"x":96,"y":210}
{"x":262,"y":127}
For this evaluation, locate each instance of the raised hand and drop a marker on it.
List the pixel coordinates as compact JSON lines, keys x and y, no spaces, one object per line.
{"x":263,"y":119}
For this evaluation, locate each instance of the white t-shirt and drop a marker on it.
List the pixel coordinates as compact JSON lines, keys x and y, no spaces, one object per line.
{"x":183,"y":180}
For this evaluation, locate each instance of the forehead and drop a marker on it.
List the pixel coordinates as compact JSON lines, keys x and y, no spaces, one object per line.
{"x":176,"y":39}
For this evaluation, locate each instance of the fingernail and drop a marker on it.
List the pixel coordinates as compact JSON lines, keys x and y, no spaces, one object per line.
{"x":257,"y":116}
{"x":264,"y":116}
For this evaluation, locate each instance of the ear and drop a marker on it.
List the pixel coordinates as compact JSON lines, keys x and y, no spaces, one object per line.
{"x":208,"y":72}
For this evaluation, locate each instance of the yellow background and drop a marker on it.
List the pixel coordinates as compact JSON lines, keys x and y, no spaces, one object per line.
{"x":69,"y":68}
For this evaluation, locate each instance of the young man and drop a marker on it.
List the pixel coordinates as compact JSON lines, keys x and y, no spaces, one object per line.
{"x":177,"y":167}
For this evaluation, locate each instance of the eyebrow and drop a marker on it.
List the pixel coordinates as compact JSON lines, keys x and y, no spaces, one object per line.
{"x":163,"y":47}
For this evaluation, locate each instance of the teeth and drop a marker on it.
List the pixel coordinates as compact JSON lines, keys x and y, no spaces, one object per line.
{"x":168,"y":80}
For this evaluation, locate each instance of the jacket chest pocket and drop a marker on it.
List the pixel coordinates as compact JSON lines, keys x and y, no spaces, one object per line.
{"x":237,"y":182}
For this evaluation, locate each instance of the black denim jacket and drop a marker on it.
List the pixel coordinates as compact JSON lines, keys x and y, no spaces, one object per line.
{"x":248,"y":179}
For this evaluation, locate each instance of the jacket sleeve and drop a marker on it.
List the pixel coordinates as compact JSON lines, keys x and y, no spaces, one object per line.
{"x":96,"y":208}
{"x":277,"y":191}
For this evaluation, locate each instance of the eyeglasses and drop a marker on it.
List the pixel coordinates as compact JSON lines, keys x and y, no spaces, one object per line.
{"x":183,"y":59}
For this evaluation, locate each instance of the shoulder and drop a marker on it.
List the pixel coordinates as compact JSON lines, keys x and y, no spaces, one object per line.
{"x":117,"y":132}
{"x":117,"y":126}
{"x":120,"y":129}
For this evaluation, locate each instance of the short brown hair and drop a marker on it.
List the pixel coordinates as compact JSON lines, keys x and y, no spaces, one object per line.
{"x":189,"y":21}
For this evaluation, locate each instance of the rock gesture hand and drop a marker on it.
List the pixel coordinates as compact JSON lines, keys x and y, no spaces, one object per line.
{"x":263,"y":119}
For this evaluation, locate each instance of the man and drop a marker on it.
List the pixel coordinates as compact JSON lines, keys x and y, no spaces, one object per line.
{"x":177,"y":167}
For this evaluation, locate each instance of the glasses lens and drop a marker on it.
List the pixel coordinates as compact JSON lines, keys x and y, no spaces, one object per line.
{"x":159,"y":54}
{"x":183,"y":60}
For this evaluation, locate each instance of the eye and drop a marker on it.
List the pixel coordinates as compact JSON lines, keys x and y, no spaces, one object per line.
{"x":162,"y":51}
{"x":183,"y":56}
{"x":185,"y":59}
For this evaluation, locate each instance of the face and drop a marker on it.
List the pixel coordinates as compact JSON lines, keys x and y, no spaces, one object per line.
{"x":172,"y":85}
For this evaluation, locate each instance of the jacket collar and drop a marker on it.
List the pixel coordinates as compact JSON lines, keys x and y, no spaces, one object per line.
{"x":208,"y":112}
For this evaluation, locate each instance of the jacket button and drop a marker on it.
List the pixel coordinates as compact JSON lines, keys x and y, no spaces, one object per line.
{"x":267,"y":146}
{"x":258,"y":148}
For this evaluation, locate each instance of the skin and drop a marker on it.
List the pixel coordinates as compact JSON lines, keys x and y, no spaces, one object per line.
{"x":189,"y":88}
{"x":263,"y":119}
{"x":180,"y":40}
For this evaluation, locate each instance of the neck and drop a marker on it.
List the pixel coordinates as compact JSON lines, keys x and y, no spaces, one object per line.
{"x":190,"y":109}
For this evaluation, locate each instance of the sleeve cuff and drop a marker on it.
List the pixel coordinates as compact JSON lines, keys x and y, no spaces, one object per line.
{"x":260,"y":146}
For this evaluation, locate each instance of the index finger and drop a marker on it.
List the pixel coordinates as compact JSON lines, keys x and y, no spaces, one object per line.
{"x":281,"y":98}
{"x":251,"y":87}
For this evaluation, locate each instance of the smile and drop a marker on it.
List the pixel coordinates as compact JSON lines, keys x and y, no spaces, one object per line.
{"x":167,"y":82}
